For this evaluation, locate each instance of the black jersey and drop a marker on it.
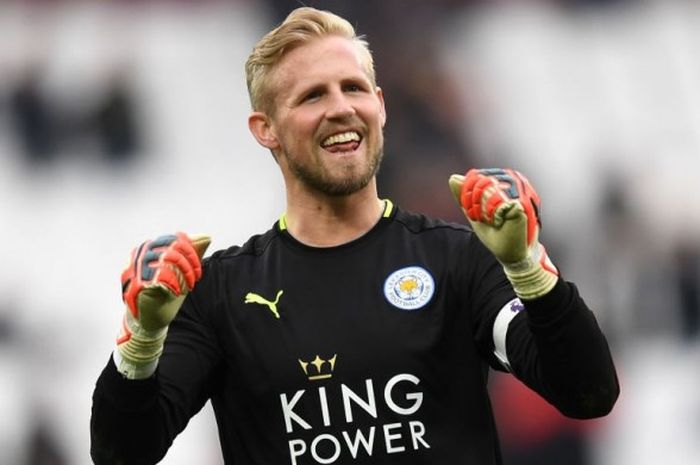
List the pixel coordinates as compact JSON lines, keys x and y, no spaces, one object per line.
{"x":373,"y":352}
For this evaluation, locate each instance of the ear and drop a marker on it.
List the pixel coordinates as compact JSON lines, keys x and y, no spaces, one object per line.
{"x":382,"y":109}
{"x":260,"y":127}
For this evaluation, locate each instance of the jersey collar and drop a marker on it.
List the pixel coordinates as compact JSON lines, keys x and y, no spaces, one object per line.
{"x":388,"y":209}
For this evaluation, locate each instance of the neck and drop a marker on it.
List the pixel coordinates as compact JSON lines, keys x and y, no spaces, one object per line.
{"x":325,"y":221}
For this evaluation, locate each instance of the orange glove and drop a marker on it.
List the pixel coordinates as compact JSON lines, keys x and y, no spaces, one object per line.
{"x":155,"y":283}
{"x":502,"y":208}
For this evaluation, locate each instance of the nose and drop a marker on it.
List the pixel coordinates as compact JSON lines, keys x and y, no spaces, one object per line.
{"x":339,"y":106}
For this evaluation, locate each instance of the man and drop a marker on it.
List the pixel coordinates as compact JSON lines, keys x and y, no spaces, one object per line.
{"x":352,"y":331}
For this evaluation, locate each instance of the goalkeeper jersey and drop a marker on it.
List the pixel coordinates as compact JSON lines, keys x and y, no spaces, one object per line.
{"x":373,"y":352}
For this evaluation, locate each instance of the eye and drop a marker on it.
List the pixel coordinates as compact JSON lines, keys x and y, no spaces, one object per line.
{"x":353,"y":88}
{"x":312,"y":95}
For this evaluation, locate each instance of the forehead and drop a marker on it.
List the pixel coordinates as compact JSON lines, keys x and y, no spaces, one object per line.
{"x":312,"y":63}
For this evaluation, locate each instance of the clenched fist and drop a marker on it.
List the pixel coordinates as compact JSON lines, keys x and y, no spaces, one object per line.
{"x":502,"y":208}
{"x":155,"y":283}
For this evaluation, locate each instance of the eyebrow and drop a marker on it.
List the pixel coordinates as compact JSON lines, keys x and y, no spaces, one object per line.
{"x":362,"y":80}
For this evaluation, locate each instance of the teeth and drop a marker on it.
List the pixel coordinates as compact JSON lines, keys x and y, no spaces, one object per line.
{"x":341,"y":138}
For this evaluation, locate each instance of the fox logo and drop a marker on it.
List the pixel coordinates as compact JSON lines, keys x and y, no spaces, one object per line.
{"x":252,"y":298}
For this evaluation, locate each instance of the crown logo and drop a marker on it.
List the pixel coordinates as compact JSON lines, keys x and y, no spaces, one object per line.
{"x":320,"y":368}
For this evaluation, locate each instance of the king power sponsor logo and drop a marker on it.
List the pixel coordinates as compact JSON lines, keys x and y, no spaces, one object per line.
{"x":401,"y":394}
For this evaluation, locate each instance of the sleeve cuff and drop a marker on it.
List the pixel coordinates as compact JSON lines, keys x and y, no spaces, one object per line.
{"x":551,"y":307}
{"x":126,"y":394}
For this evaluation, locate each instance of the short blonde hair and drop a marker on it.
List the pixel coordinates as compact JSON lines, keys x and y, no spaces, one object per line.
{"x":301,"y":26}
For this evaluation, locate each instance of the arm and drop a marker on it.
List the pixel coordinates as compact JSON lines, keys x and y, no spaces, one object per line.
{"x":137,"y":411}
{"x":125,"y":422}
{"x":555,"y":346}
{"x":570,"y":365}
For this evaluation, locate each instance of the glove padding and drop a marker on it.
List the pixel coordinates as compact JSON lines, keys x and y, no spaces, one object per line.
{"x":155,"y":283}
{"x":502,"y":208}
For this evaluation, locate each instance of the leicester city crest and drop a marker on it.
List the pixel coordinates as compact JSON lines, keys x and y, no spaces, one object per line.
{"x":409,"y":288}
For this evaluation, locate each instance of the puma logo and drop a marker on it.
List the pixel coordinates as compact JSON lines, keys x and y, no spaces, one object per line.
{"x":252,"y":298}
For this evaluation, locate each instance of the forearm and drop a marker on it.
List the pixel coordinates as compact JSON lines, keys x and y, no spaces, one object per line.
{"x":558,"y":349}
{"x":555,"y":346}
{"x":127,"y":424}
{"x":133,"y":420}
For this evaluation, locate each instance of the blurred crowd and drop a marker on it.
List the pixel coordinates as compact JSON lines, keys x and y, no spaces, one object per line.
{"x":120,"y":120}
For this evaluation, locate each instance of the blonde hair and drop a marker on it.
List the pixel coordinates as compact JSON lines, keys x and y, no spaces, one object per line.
{"x":301,"y":26}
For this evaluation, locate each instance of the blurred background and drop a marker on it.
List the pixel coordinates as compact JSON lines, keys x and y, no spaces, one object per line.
{"x":121,"y":120}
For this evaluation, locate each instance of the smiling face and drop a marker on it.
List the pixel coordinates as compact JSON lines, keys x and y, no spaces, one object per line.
{"x":327,"y":119}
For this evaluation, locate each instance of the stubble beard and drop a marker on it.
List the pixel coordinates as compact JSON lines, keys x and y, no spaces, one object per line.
{"x":350,"y":182}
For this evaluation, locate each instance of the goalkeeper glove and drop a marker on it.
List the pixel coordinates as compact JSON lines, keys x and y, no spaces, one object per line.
{"x":502,"y":208}
{"x":155,"y":283}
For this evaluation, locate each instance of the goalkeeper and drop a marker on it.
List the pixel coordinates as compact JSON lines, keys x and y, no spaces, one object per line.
{"x":352,"y":331}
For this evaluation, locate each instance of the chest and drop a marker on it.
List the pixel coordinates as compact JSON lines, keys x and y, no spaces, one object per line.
{"x":290,"y":320}
{"x":330,"y":350}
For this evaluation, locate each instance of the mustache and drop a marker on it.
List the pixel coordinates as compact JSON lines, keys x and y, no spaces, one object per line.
{"x":347,"y":124}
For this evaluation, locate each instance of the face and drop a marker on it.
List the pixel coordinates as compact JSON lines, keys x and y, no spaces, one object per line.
{"x":326,"y":126}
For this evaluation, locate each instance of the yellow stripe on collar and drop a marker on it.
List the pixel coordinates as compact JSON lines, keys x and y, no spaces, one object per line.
{"x":388,"y":208}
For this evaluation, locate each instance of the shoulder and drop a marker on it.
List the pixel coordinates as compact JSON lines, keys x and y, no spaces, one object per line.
{"x":436,"y":235}
{"x":418,"y":223}
{"x":255,"y":246}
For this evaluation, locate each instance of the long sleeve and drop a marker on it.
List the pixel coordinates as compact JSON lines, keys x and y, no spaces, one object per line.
{"x":557,"y":348}
{"x":135,"y":421}
{"x":125,"y":426}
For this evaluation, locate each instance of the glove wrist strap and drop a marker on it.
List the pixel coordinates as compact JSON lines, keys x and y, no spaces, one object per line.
{"x":138,"y":352}
{"x":133,"y":371}
{"x":534,"y":276}
{"x":532,"y":282}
